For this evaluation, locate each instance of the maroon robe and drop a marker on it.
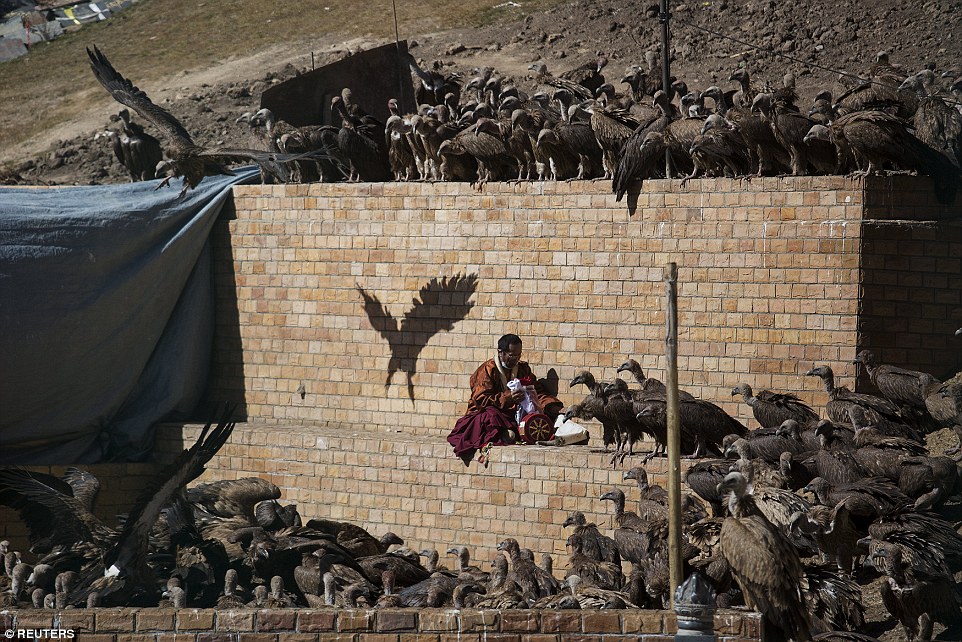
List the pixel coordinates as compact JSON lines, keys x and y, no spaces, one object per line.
{"x":491,"y":410}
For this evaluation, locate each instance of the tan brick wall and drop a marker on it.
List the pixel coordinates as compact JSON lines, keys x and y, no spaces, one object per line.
{"x":383,"y":625}
{"x":769,"y":284}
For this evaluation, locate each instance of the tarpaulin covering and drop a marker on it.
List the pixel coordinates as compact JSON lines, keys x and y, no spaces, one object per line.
{"x":106,"y":316}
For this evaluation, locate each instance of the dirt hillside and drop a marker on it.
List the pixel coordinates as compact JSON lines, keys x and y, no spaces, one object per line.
{"x":814,"y":40}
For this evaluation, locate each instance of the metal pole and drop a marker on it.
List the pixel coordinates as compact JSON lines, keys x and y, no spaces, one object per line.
{"x":674,"y":432}
{"x":401,"y":66}
{"x":663,"y":16}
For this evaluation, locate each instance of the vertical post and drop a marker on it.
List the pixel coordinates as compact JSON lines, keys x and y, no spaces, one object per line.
{"x":401,"y":64}
{"x":674,"y":431}
{"x":663,"y":16}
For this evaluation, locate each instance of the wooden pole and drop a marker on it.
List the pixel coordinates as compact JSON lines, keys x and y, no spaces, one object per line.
{"x":674,"y":432}
{"x":663,"y":16}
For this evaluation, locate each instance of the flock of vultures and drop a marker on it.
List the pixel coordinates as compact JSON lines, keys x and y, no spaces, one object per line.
{"x":578,"y":125}
{"x":789,"y":519}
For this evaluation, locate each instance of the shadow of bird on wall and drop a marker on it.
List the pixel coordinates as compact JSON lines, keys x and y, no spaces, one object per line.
{"x":439,"y":305}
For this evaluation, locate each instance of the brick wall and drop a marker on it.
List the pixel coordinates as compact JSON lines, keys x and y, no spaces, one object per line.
{"x":354,"y":625}
{"x":775,"y":276}
{"x":419,"y":490}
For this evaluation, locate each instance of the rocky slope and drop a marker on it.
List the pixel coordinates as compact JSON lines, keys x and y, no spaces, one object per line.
{"x":814,"y":40}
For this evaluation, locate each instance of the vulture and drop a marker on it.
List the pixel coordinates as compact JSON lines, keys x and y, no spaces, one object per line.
{"x":361,"y":140}
{"x":745,"y":94}
{"x":879,"y":412}
{"x":234,"y":497}
{"x":833,"y":532}
{"x":550,"y":84}
{"x":571,"y":151}
{"x":866,"y":500}
{"x":139,"y":152}
{"x":588,"y":75}
{"x":637,"y":538}
{"x":906,"y":389}
{"x":356,"y":540}
{"x":790,"y":129}
{"x":705,"y":424}
{"x":434,"y":84}
{"x":612,"y":128}
{"x":647,"y":384}
{"x":764,"y":562}
{"x":704,"y":476}
{"x":719,"y":150}
{"x":124,"y":577}
{"x":594,"y":544}
{"x":534,"y":582}
{"x":914,"y":595}
{"x":185,"y":158}
{"x":937,"y":124}
{"x":876,"y":139}
{"x":485,"y":144}
{"x":605,"y":575}
{"x":937,"y":533}
{"x":774,"y":408}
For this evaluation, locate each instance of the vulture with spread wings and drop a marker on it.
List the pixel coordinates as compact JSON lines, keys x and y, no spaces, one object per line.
{"x":441,"y":304}
{"x":184,"y":157}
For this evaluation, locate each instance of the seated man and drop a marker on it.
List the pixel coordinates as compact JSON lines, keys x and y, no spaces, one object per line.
{"x":491,"y":410}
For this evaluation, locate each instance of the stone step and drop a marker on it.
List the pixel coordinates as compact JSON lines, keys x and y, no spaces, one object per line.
{"x":390,"y":480}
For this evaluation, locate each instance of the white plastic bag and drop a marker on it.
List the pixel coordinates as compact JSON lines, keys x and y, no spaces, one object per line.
{"x":529,"y":404}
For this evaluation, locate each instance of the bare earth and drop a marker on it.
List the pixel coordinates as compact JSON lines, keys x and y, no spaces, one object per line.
{"x":834,"y":35}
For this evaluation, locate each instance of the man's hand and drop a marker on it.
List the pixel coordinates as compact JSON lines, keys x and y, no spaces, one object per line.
{"x":518,"y":395}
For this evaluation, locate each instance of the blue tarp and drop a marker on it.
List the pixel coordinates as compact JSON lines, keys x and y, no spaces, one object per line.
{"x":106,"y":316}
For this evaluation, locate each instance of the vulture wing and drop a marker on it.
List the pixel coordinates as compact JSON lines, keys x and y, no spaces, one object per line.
{"x":189,"y":465}
{"x":126,"y":93}
{"x":768,"y":570}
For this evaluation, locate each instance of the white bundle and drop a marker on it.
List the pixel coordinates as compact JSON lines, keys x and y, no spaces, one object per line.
{"x":530,"y":402}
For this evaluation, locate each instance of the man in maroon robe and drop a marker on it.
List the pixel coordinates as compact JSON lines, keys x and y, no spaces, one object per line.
{"x":490,"y":418}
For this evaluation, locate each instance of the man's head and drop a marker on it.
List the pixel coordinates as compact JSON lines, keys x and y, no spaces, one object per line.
{"x":509,"y":350}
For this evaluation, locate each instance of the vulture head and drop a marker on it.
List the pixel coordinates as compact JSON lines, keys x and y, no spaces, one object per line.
{"x":584,"y":377}
{"x":821,"y":371}
{"x":742,"y":389}
{"x":639,"y":474}
{"x":762,"y":104}
{"x":577,"y":518}
{"x":650,"y":410}
{"x":788,"y":428}
{"x":717,"y":121}
{"x":818,"y":132}
{"x":735,"y":483}
{"x":539,"y":68}
{"x":739,"y":75}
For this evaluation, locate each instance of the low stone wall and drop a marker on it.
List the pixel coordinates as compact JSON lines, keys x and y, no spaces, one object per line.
{"x":368,"y":625}
{"x":415,"y":486}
